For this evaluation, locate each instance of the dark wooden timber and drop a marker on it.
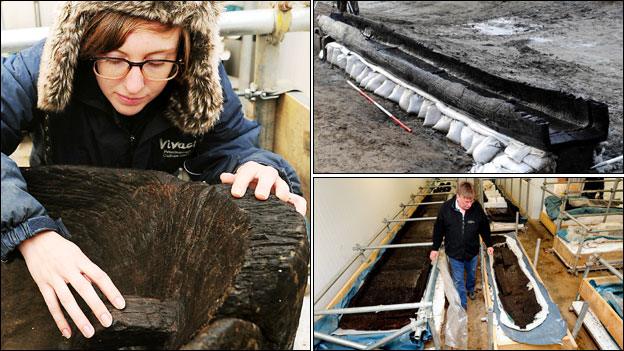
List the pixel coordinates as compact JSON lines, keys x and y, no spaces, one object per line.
{"x":185,"y":254}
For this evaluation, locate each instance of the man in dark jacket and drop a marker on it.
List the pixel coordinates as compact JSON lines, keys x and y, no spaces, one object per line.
{"x":459,"y":223}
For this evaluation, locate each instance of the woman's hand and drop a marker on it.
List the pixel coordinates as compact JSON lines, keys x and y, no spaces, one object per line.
{"x":265,"y":180}
{"x":54,"y":261}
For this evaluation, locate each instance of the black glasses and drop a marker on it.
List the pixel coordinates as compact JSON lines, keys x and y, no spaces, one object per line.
{"x":117,"y":68}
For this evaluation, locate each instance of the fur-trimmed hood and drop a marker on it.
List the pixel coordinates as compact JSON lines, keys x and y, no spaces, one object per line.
{"x":194,"y":107}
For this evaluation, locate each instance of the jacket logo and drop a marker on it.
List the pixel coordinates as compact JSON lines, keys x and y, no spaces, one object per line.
{"x":471,"y":222}
{"x":175,"y":149}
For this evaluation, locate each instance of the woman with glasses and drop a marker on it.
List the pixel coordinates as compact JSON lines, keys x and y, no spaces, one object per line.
{"x":122,"y":84}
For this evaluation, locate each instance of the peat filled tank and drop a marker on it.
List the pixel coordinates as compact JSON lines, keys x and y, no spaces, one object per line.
{"x":400,"y":275}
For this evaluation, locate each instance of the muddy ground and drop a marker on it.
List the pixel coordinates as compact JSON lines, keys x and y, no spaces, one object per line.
{"x":572,"y":46}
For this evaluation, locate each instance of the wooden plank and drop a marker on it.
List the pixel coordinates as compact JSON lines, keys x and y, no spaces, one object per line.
{"x":568,"y":257}
{"x":603,"y":311}
{"x":548,"y":223}
{"x":292,"y":137}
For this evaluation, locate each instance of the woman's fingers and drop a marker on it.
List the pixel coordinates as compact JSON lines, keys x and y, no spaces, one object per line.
{"x":227,"y":178}
{"x":266,"y":179}
{"x":103,"y":281}
{"x":299,"y":202}
{"x":245,"y":174}
{"x":282,"y":190}
{"x":88,"y":294}
{"x":49,"y":296}
{"x":69,"y":303}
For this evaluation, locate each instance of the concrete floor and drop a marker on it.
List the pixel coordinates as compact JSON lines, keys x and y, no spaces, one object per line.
{"x":562,"y":287}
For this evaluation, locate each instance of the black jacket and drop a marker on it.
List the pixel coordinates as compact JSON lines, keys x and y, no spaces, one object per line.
{"x":460,"y":234}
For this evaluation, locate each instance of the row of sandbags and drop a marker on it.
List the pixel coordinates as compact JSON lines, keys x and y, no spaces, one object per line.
{"x":490,"y":154}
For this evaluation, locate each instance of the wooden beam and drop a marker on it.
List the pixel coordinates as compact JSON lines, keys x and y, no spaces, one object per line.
{"x":601,"y":308}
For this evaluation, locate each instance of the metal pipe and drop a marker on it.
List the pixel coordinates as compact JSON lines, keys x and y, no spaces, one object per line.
{"x":424,"y":203}
{"x":37,"y":8}
{"x":517,"y":220}
{"x":603,"y":191}
{"x":590,"y":262}
{"x":579,"y":320}
{"x":339,"y":341}
{"x":407,"y":328}
{"x":610,"y":267}
{"x":445,"y":193}
{"x":248,"y":22}
{"x":594,"y":214}
{"x":542,"y":206}
{"x":572,"y":218}
{"x":615,"y":185}
{"x":375,"y":309}
{"x":526,"y":211}
{"x":410,"y":219}
{"x":393,"y":246}
{"x":537,"y":247}
{"x":564,"y":200}
{"x":550,"y":191}
{"x":578,"y":253}
{"x":579,"y":181}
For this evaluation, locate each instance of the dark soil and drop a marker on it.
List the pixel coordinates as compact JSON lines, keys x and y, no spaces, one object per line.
{"x":575,"y":47}
{"x":518,"y":301}
{"x":400,"y":276}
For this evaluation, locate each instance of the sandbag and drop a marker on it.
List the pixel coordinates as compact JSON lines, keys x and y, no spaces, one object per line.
{"x":375,"y":82}
{"x":351,"y":59}
{"x":486,"y":150}
{"x":396,"y":94}
{"x":341,"y":61}
{"x":536,"y":162}
{"x":432,"y":116}
{"x":455,"y":130}
{"x":405,"y":99}
{"x":330,"y":52}
{"x":517,"y":151}
{"x":477,"y":168}
{"x":476,"y":140}
{"x":492,"y":168}
{"x":424,"y":108}
{"x":466,"y":137}
{"x":368,"y":78}
{"x":503,"y":160}
{"x":443,"y":124}
{"x":357,"y":68}
{"x":385,"y":89}
{"x":365,"y":72}
{"x":415,"y":104}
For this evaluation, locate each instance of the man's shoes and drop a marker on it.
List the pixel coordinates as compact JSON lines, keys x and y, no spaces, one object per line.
{"x":471,"y":295}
